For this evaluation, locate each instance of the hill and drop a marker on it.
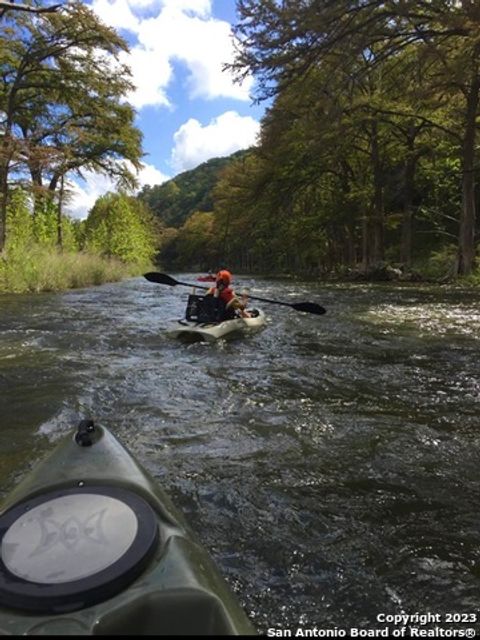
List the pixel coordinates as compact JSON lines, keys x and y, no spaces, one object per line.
{"x":174,"y":201}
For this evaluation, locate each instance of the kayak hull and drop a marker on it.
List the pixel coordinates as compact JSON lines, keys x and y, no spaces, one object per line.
{"x":210,"y":332}
{"x":165,"y":583}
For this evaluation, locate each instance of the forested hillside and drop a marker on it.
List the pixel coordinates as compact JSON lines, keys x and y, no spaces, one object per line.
{"x":174,"y":201}
{"x":184,"y":211}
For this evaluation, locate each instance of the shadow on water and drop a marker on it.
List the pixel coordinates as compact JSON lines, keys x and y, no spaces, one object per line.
{"x":329,"y":464}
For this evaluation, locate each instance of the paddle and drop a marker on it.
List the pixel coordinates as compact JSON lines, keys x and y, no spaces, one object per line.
{"x":306,"y":307}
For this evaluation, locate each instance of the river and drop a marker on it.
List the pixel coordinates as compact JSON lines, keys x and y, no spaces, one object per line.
{"x":330,"y":464}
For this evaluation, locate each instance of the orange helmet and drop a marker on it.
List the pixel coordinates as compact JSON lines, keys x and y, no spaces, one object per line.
{"x":224,"y":276}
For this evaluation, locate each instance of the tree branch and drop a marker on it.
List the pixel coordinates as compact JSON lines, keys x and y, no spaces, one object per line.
{"x":5,"y":6}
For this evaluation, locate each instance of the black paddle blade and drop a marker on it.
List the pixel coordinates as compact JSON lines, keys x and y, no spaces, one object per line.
{"x":160,"y":278}
{"x":309,"y":307}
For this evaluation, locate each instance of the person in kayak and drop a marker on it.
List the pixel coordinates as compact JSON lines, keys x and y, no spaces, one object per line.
{"x":208,"y":278}
{"x":225,"y":294}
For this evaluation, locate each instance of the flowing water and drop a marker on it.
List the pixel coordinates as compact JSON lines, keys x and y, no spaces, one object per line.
{"x":329,"y":464}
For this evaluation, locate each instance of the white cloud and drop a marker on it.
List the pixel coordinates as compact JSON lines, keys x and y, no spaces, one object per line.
{"x":117,"y":14}
{"x":199,"y":7}
{"x":84,"y":196}
{"x":177,"y":30}
{"x":151,"y":175}
{"x":127,"y":14}
{"x":224,"y":135}
{"x":150,"y":77}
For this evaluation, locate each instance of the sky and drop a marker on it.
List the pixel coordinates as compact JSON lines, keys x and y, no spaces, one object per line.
{"x":188,"y":109}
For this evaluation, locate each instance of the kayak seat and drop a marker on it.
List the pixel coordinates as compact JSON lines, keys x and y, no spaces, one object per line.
{"x":204,"y":309}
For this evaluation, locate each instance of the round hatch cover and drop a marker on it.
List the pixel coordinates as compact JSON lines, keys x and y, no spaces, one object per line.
{"x":71,"y":548}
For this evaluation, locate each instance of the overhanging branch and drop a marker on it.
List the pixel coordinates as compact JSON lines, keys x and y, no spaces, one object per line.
{"x":5,"y":6}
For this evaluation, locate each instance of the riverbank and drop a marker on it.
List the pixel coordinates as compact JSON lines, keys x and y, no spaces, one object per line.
{"x":44,"y":269}
{"x":385,"y":274}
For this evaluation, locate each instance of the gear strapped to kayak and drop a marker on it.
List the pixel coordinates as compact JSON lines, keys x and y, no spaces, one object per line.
{"x":204,"y":309}
{"x":90,"y":545}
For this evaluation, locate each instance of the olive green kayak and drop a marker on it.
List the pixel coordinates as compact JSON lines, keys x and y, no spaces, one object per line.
{"x":90,"y":544}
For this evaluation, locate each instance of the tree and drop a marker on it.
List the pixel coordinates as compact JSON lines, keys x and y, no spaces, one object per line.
{"x":282,"y":42}
{"x":197,"y":243}
{"x":62,"y":94}
{"x":118,"y":226}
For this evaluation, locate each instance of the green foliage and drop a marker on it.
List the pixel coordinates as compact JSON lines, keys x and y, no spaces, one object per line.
{"x":369,"y":143}
{"x":43,"y":269}
{"x":26,"y":229}
{"x":474,"y":278}
{"x":440,"y":264}
{"x":62,"y":106}
{"x":70,"y":241}
{"x":167,"y":247}
{"x":367,"y":150}
{"x":440,"y":182}
{"x":32,"y":261}
{"x":63,"y":109}
{"x":197,"y":242}
{"x":19,"y":223}
{"x":191,"y":191}
{"x":45,"y":224}
{"x":117,"y":226}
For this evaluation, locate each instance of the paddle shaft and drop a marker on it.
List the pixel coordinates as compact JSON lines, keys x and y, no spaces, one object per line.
{"x":307,"y":307}
{"x":286,"y":304}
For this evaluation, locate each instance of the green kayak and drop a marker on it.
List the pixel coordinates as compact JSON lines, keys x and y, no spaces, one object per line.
{"x":91,"y":545}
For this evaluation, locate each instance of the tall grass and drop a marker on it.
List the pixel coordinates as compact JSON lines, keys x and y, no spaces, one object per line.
{"x":46,"y":269}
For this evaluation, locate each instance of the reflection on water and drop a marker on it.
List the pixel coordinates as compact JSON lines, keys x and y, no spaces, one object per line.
{"x":434,"y":319}
{"x":329,"y":464}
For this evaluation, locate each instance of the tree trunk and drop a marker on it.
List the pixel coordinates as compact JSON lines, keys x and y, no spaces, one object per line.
{"x":59,"y":214}
{"x":365,"y":242}
{"x":3,"y":205}
{"x":6,"y":157}
{"x":37,"y":183}
{"x":407,"y":224}
{"x":378,"y":205}
{"x":466,"y":235}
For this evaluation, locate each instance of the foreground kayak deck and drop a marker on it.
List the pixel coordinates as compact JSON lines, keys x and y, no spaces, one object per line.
{"x":211,"y":331}
{"x":90,"y":544}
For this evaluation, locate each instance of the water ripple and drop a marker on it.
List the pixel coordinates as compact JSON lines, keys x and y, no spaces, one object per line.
{"x":329,"y":464}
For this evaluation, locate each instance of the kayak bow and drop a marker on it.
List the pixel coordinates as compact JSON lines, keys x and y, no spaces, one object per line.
{"x":91,"y":545}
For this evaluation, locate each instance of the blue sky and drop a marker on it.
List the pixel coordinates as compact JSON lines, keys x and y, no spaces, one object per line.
{"x":188,"y":109}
